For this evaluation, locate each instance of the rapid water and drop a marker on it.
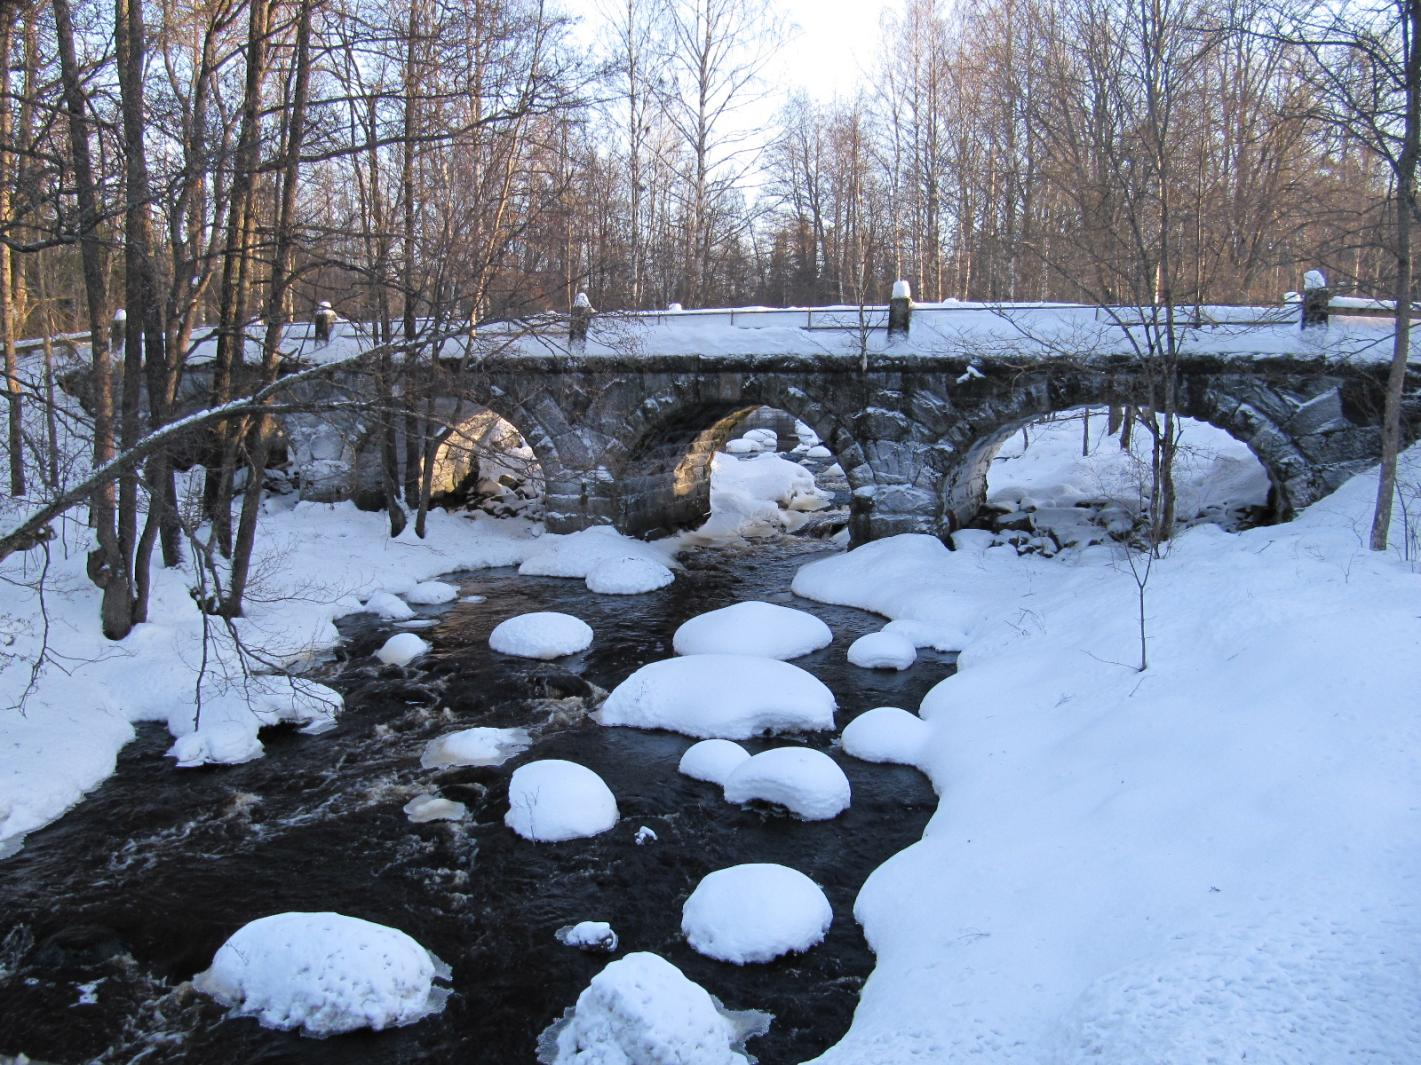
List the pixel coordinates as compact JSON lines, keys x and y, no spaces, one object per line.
{"x":107,"y":914}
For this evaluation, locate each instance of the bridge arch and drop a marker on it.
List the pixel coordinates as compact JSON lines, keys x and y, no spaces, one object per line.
{"x":660,"y":466}
{"x":1242,"y":407}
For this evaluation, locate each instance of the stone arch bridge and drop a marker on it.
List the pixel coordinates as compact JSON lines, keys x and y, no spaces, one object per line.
{"x":625,"y":429}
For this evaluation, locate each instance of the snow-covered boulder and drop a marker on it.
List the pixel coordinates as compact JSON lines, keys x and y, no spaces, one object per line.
{"x":766,"y":477}
{"x":323,"y":973}
{"x":727,"y":696}
{"x":807,"y":782}
{"x":641,"y":1010}
{"x":883,"y":650}
{"x":628,"y":576}
{"x":743,"y":446}
{"x":227,"y":732}
{"x":595,"y":937}
{"x":927,"y":634}
{"x":806,"y":504}
{"x":712,"y":760}
{"x":424,"y":808}
{"x":553,"y":800}
{"x":819,"y":452}
{"x":401,"y":649}
{"x":752,"y":628}
{"x":543,"y":634}
{"x":475,"y":746}
{"x":886,"y":734}
{"x":432,"y":593}
{"x":755,"y":913}
{"x":577,"y":554}
{"x":389,"y":606}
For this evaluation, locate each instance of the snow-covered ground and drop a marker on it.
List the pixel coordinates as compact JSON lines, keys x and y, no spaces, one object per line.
{"x":1218,"y":859}
{"x":316,"y":562}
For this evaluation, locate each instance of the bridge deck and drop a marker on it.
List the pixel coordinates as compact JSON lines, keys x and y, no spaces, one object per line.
{"x":952,"y":331}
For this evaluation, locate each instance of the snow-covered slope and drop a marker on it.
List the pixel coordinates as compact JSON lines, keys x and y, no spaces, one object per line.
{"x":1218,"y":859}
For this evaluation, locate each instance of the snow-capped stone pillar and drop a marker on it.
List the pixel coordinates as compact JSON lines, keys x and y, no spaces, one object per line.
{"x":118,"y":331}
{"x":325,"y":320}
{"x":582,"y":312}
{"x":900,"y":309}
{"x":1316,"y":298}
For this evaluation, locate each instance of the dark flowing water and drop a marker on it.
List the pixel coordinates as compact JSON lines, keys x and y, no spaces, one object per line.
{"x":107,"y":914}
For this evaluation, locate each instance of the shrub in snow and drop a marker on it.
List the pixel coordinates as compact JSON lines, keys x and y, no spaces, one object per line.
{"x":882,"y":650}
{"x":475,"y":746}
{"x":807,"y":782}
{"x":432,"y":593}
{"x":323,"y":973}
{"x":542,"y":634}
{"x":641,"y":1010}
{"x":712,"y":760}
{"x":553,"y":800}
{"x":752,"y":628}
{"x":628,"y":576}
{"x":729,"y":696}
{"x":755,"y":913}
{"x":424,"y":808}
{"x":401,"y":649}
{"x":595,"y":937}
{"x":886,"y":734}
{"x":389,"y":606}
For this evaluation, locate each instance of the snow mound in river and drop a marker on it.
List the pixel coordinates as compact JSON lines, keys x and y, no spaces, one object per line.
{"x":883,"y":650}
{"x":712,"y":760}
{"x":641,"y":1010}
{"x":475,"y":746}
{"x":324,"y":973}
{"x":542,"y":634}
{"x":627,"y":576}
{"x":752,"y":628}
{"x":577,"y":554}
{"x":553,"y":800}
{"x":804,"y":781}
{"x":755,"y":913}
{"x":727,"y":696}
{"x":401,"y":649}
{"x":432,"y":593}
{"x":886,"y":734}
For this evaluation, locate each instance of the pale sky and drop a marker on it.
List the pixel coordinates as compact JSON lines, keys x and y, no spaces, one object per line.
{"x":833,"y":47}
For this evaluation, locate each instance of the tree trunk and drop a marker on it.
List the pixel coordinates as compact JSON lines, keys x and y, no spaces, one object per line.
{"x":8,"y":14}
{"x":1401,"y":341}
{"x":275,"y":312}
{"x":107,"y":566}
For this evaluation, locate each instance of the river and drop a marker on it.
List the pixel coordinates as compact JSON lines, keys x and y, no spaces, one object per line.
{"x":105,"y":915}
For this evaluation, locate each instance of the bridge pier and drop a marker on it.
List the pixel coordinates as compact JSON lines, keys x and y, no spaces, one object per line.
{"x":876,"y":511}
{"x":574,"y":500}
